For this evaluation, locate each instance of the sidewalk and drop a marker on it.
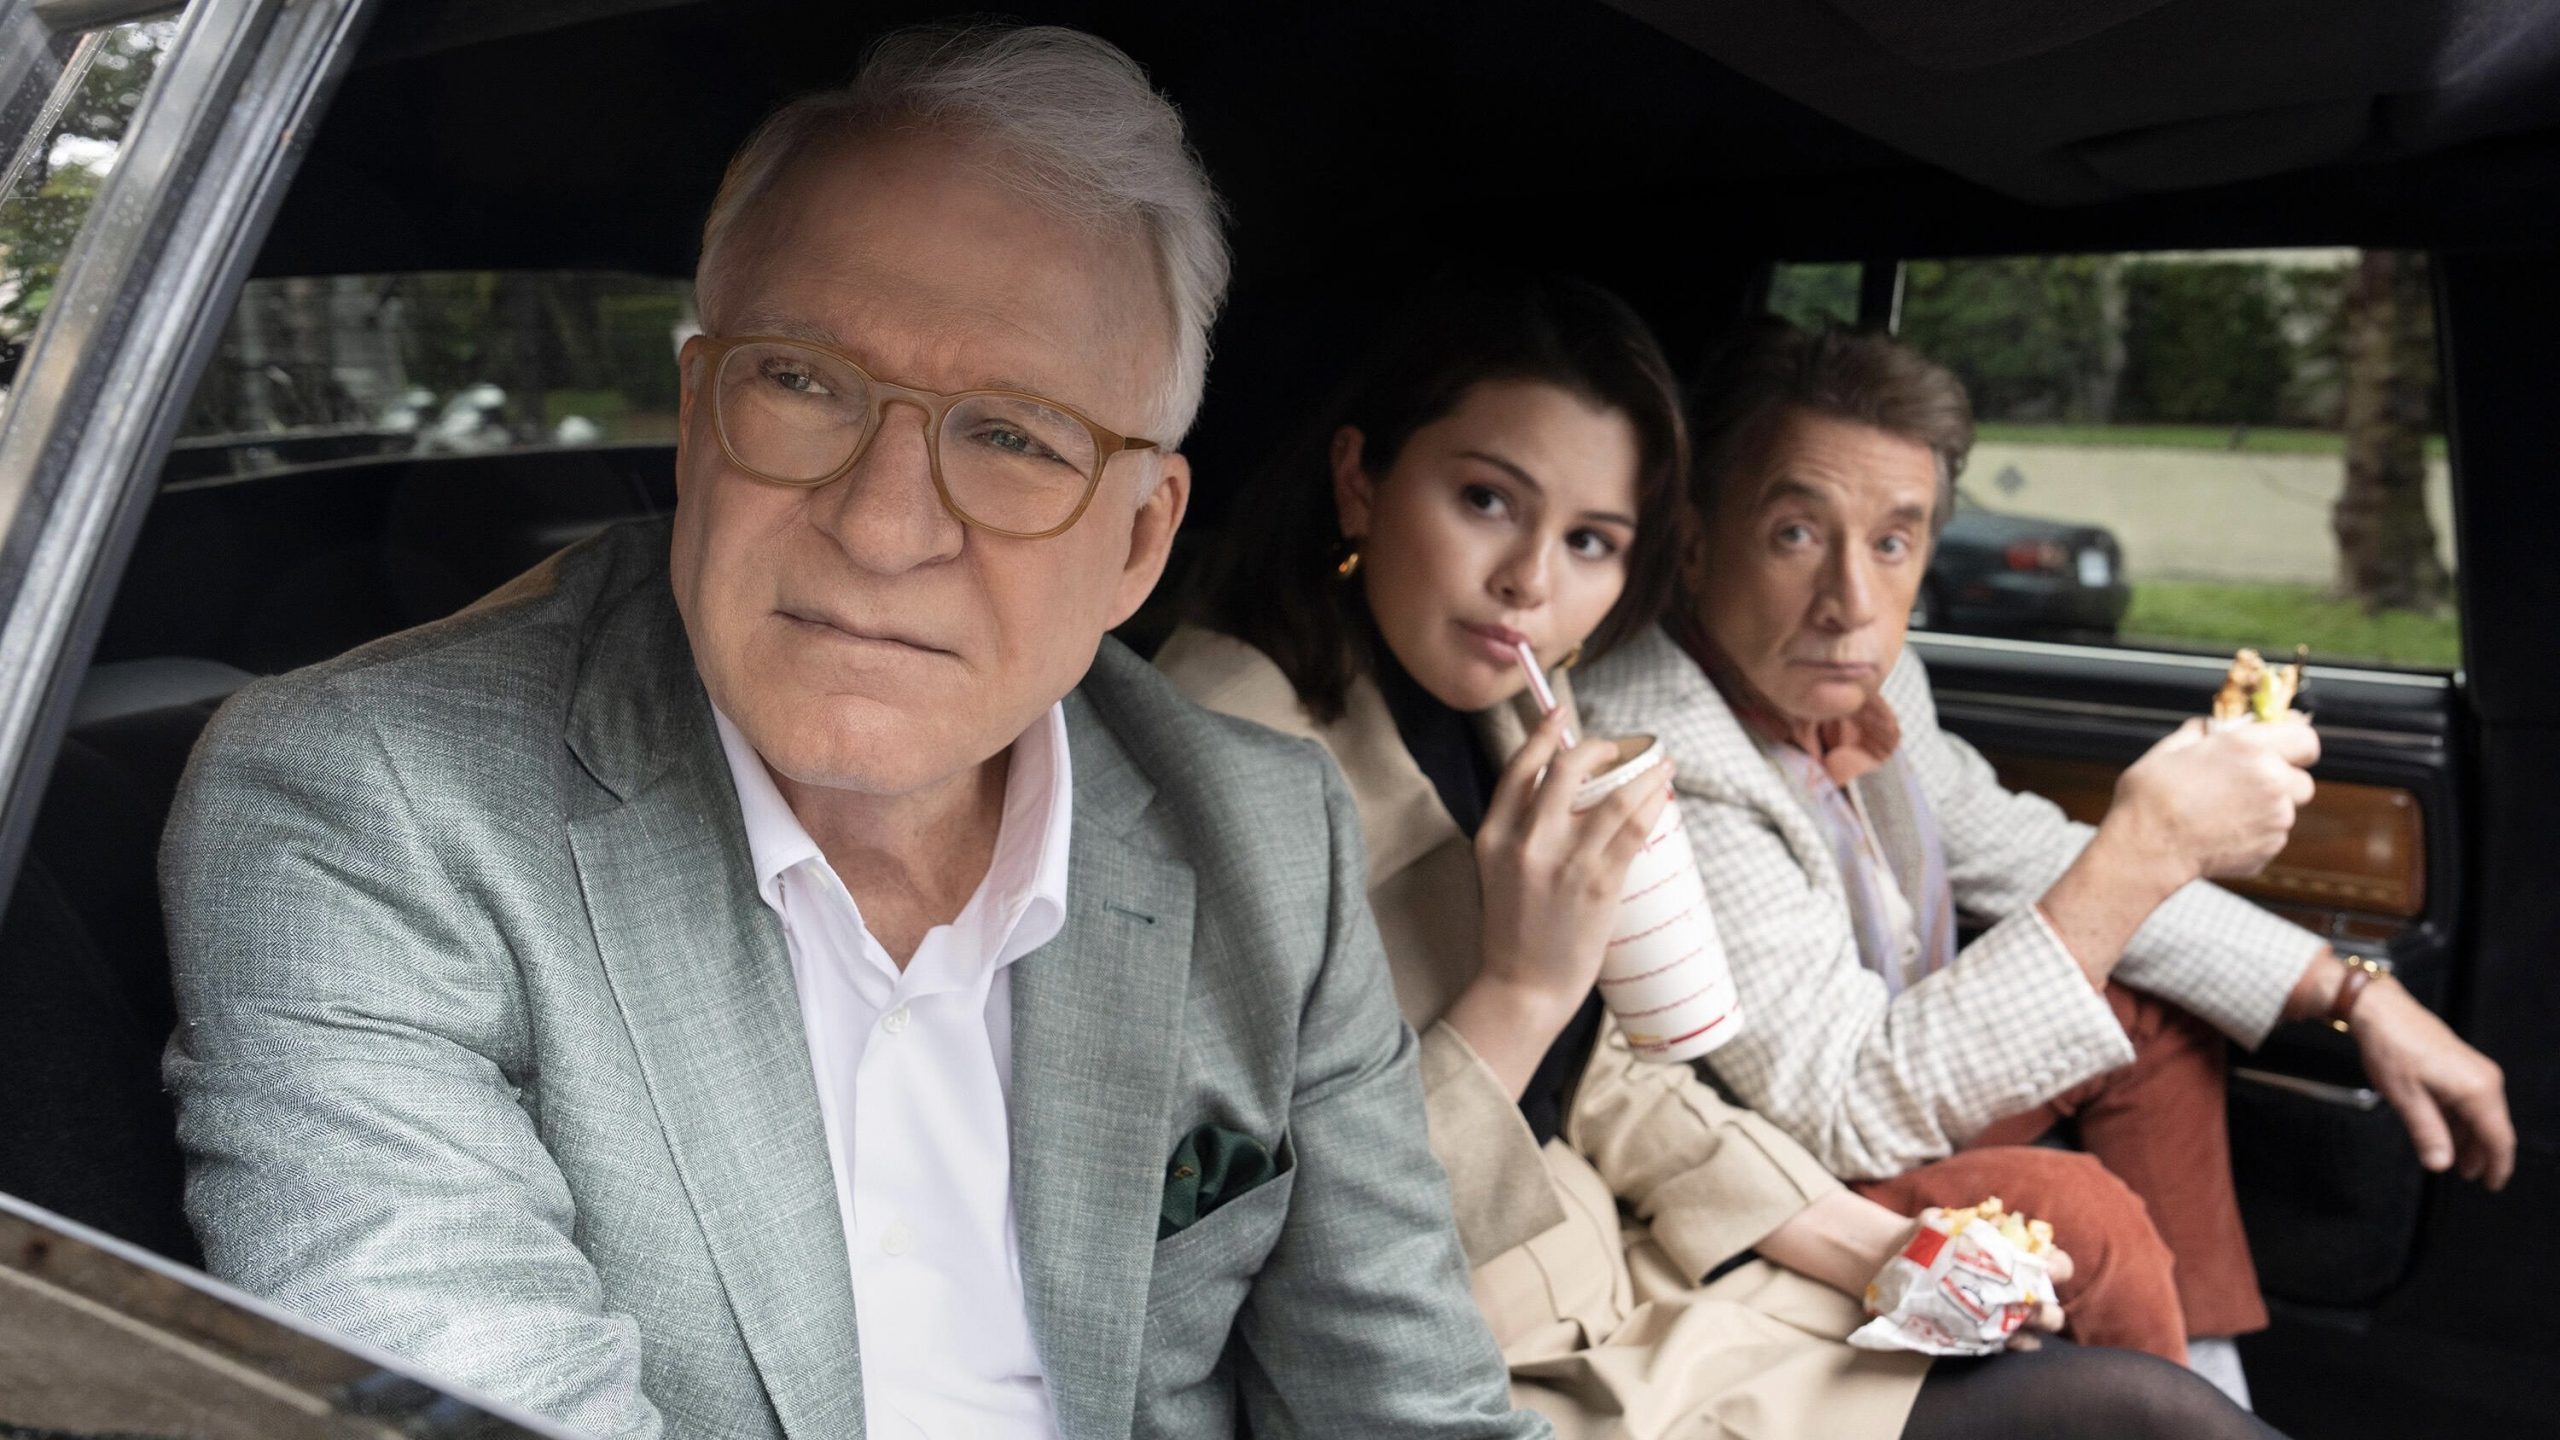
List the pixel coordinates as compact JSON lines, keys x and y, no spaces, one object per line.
{"x":2191,"y":514}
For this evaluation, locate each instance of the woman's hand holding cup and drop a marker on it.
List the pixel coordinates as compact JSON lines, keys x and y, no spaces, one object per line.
{"x":1552,"y":877}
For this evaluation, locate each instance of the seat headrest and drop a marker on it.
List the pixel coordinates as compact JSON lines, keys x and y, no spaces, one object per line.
{"x":118,"y":688}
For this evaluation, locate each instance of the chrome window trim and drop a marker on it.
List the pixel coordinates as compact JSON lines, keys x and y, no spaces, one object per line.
{"x":39,"y":68}
{"x":38,"y":40}
{"x":69,"y":15}
{"x":2345,"y":1097}
{"x":2170,"y":659}
{"x":1986,"y":704}
{"x":140,"y":305}
{"x":358,"y":463}
{"x":188,"y":1318}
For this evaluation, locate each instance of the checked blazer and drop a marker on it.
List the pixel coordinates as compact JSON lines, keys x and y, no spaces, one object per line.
{"x":1874,"y":1086}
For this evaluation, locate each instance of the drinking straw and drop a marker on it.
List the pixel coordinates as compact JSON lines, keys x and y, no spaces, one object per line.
{"x":1540,"y":690}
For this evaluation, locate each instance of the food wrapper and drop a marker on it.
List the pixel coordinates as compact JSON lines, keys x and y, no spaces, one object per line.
{"x":2257,"y":693}
{"x":1968,"y":1281}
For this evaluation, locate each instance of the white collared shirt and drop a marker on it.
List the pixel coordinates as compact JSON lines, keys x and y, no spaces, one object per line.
{"x":914,"y":1071}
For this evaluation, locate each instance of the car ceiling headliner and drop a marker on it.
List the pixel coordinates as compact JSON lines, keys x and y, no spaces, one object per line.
{"x":589,"y":133}
{"x":2065,"y":104}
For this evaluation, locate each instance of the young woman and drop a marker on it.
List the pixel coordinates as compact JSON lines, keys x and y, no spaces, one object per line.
{"x":1506,"y":467}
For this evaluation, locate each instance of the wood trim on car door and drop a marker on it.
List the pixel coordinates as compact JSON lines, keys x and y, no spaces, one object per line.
{"x":2358,"y":855}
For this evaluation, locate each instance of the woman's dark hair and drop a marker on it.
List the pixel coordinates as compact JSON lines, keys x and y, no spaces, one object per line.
{"x":1272,"y":582}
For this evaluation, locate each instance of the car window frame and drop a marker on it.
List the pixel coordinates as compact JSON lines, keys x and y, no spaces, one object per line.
{"x":34,"y":57}
{"x":142,"y":297}
{"x":1880,"y":294}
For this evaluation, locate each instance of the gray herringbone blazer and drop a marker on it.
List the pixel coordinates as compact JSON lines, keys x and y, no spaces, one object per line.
{"x":1872,"y":1084}
{"x":489,"y":1052}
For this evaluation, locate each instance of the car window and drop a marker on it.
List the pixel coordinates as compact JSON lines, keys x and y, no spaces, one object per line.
{"x":2191,"y":450}
{"x":50,"y":176}
{"x":1816,"y":295}
{"x":320,"y":370}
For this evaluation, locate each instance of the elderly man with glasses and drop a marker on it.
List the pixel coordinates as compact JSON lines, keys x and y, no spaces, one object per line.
{"x":786,"y":973}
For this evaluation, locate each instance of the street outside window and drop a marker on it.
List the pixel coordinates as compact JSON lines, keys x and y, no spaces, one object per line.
{"x":2189,"y":450}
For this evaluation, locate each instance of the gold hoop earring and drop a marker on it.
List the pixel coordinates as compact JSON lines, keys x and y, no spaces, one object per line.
{"x":1349,"y":564}
{"x":1571,"y":658}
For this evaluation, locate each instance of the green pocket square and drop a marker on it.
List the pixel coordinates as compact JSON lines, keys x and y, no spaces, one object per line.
{"x":1211,"y":1166}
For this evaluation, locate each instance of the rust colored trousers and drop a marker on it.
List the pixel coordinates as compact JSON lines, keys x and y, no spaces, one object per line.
{"x":2147,"y":1210}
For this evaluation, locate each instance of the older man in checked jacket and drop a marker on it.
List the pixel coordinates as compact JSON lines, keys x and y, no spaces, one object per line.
{"x":1841,"y":833}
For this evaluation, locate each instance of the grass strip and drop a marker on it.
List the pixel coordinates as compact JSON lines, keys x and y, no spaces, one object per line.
{"x":2275,"y":618}
{"x":2245,"y":440}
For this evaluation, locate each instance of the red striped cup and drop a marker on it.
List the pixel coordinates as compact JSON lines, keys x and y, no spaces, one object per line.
{"x":1665,"y":977}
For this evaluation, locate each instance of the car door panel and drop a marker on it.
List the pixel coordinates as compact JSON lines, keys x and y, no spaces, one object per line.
{"x":2355,"y":867}
{"x":2328,"y":1182}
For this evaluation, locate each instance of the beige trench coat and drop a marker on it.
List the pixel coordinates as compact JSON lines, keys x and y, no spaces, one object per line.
{"x":1587,"y":1252}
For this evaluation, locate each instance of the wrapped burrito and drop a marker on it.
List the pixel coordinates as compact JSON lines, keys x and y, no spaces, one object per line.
{"x":2255,"y":692}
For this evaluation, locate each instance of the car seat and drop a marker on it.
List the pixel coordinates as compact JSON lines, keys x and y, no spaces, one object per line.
{"x":85,"y":1002}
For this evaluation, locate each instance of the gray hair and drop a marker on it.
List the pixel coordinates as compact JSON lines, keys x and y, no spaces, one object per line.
{"x":1074,"y":127}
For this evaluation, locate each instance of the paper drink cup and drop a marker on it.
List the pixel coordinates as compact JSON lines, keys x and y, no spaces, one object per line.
{"x":1665,"y":977}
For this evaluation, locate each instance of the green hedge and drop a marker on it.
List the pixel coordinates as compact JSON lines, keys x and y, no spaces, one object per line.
{"x":2204,"y":344}
{"x":2126,"y":340}
{"x":2025,"y":333}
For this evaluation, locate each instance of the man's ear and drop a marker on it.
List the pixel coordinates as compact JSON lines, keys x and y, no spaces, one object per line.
{"x":689,"y":366}
{"x":1352,"y":492}
{"x":1151,"y":532}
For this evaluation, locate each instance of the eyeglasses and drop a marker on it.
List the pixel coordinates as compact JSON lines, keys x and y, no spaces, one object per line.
{"x":797,"y":413}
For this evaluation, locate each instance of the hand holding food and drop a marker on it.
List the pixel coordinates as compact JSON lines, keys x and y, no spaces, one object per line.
{"x":1970,"y":1280}
{"x":2216,"y":798}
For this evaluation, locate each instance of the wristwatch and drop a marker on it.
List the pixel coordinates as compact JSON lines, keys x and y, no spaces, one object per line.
{"x":2361,"y":971}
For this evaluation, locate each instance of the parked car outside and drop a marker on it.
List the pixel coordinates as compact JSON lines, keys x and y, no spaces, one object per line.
{"x":1993,"y":573}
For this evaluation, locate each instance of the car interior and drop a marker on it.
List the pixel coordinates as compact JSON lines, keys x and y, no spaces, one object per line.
{"x":1672,"y":152}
